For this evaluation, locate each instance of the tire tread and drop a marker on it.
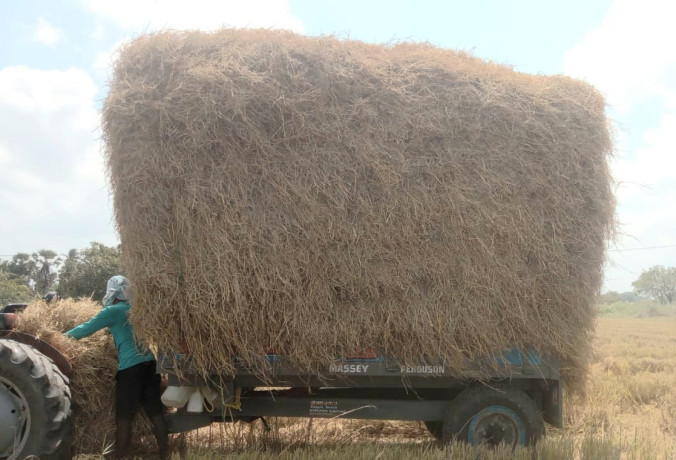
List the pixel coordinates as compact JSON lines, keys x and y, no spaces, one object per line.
{"x":54,"y":390}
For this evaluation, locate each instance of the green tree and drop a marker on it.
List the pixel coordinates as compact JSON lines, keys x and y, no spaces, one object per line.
{"x":47,"y":265}
{"x":657,"y":282}
{"x":85,"y":272}
{"x":13,"y":289}
{"x":38,"y":271}
{"x":21,"y":265}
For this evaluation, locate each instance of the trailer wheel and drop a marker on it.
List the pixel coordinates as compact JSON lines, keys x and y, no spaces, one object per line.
{"x":492,"y":416}
{"x":35,"y":405}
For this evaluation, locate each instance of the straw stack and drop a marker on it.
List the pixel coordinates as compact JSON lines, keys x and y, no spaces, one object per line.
{"x":318,"y":196}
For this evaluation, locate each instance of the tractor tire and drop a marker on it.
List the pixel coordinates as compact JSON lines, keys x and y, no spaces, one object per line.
{"x":35,"y":405}
{"x":491,"y":416}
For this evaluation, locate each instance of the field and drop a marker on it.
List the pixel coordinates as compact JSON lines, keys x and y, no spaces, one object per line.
{"x":628,"y":411}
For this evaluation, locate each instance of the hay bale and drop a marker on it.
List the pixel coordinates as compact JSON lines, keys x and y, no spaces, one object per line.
{"x":94,"y":361}
{"x":318,"y":196}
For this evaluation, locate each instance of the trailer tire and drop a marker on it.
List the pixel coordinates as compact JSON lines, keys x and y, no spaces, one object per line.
{"x":483,"y":415}
{"x":37,"y":402}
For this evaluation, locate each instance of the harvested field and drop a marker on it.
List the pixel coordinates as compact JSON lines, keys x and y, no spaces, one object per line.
{"x":318,"y":196}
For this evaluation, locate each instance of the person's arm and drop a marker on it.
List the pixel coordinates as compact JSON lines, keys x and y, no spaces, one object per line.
{"x":105,"y":318}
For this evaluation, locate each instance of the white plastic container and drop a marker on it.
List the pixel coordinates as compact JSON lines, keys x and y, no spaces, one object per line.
{"x":195,"y":402}
{"x":176,"y":396}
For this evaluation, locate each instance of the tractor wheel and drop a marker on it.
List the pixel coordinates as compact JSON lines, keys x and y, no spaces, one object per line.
{"x":493,"y":416}
{"x":35,"y":405}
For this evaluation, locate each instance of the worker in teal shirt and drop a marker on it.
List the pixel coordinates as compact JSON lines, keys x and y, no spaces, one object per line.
{"x":136,"y":382}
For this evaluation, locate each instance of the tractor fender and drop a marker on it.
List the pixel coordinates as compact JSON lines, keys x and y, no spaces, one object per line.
{"x":43,"y":347}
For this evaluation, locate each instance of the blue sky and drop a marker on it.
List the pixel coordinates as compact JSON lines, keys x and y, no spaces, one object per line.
{"x":56,"y":56}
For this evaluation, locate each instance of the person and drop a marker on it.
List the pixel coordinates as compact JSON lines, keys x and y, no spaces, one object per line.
{"x":136,"y":382}
{"x":51,"y":295}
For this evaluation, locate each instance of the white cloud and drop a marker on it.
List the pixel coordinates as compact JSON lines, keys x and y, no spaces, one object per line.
{"x":655,"y":162}
{"x":147,"y":15}
{"x":91,"y":167}
{"x":5,"y":156}
{"x":29,"y":90}
{"x":46,"y":33}
{"x":630,"y":56}
{"x":52,"y":186}
{"x":630,"y":59}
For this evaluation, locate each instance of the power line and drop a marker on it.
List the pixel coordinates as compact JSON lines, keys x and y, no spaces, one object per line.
{"x":644,"y":248}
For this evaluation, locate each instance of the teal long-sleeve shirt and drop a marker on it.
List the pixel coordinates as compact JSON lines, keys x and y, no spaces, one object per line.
{"x":115,"y":317}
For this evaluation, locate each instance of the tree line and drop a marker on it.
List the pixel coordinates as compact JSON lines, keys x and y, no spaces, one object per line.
{"x":657,"y":283}
{"x":80,"y":273}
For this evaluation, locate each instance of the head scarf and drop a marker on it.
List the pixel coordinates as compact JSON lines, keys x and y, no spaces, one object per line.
{"x":116,"y":289}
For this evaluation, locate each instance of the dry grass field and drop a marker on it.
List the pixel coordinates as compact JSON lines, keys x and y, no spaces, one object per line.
{"x":628,"y":412}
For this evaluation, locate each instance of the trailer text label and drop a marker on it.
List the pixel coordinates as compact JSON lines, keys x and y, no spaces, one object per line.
{"x":349,"y":368}
{"x":320,"y":408}
{"x":422,"y":369}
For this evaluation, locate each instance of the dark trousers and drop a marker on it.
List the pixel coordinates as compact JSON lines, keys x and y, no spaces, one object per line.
{"x":137,"y":386}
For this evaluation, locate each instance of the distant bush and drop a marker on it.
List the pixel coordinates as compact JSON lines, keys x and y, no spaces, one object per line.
{"x":639,"y":307}
{"x":614,"y":296}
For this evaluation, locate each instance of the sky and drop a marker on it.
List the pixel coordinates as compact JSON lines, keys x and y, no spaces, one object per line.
{"x":56,"y":58}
